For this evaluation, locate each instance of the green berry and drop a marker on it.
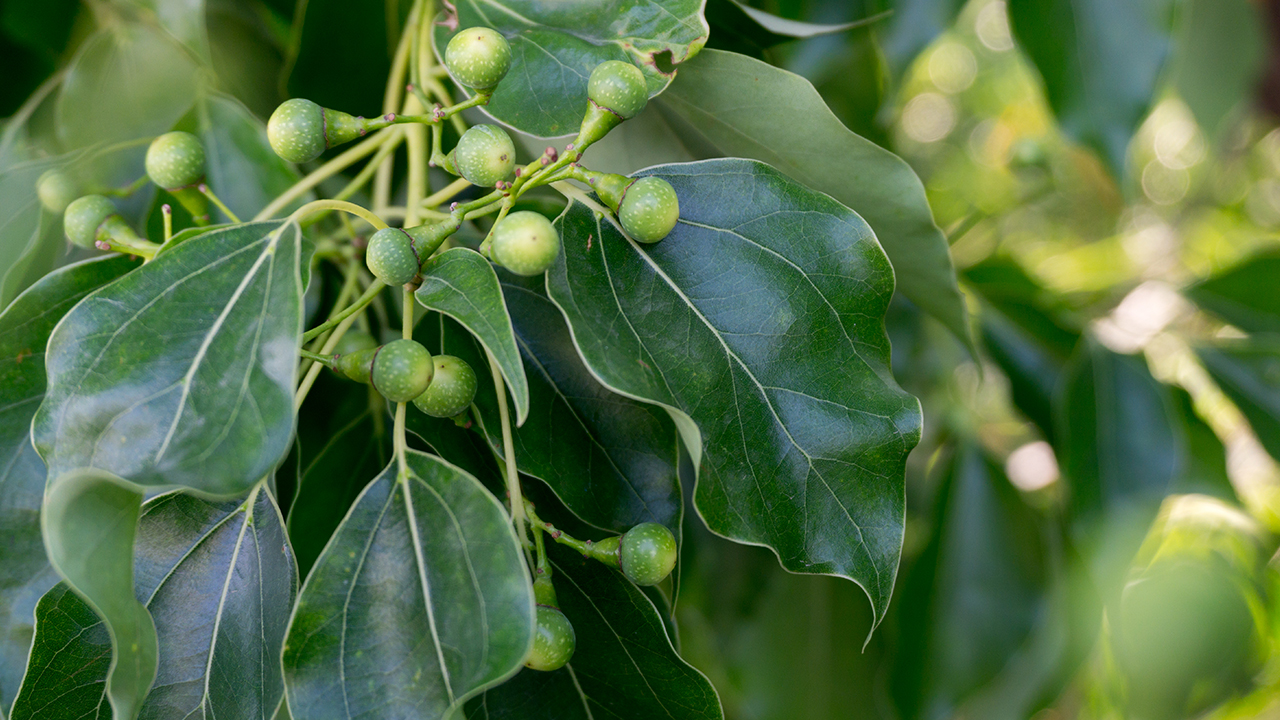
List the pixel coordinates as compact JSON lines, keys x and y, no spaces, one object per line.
{"x":56,"y":190}
{"x":391,"y":256}
{"x":478,"y":57}
{"x":84,"y":217}
{"x":300,"y":130}
{"x":649,"y":209}
{"x":358,"y":364}
{"x":175,"y":160}
{"x":485,"y":155}
{"x":553,"y":640}
{"x":354,"y":341}
{"x":647,"y":553}
{"x":453,"y":387}
{"x":401,"y":370}
{"x":525,"y":243}
{"x":619,"y":87}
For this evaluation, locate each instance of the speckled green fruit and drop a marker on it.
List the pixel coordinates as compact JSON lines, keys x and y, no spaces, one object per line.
{"x":649,"y":209}
{"x":485,"y":155}
{"x":391,"y":256}
{"x":452,"y":388}
{"x":56,"y":190}
{"x":402,"y":370}
{"x":619,"y":87}
{"x":84,"y":216}
{"x":175,"y":160}
{"x":296,"y":130}
{"x":553,"y":640}
{"x":647,"y":553}
{"x":357,"y":364}
{"x":478,"y":57}
{"x":525,"y":243}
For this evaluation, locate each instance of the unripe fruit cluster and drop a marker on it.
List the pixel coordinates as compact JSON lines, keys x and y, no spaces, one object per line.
{"x":478,"y":58}
{"x":646,"y":553}
{"x":300,"y":130}
{"x":484,"y":156}
{"x":175,"y":160}
{"x":402,"y":371}
{"x":525,"y":243}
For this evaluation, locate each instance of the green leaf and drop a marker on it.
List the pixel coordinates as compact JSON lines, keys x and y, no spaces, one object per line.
{"x":25,"y":224}
{"x":624,"y":665}
{"x":127,"y":81}
{"x":975,"y":594}
{"x":183,"y":19}
{"x":25,"y":574}
{"x":1100,"y":61}
{"x":1220,"y":56}
{"x":555,"y":46}
{"x":741,"y":28}
{"x":800,"y":444}
{"x":421,"y":600}
{"x":731,"y":105}
{"x":89,"y":520}
{"x":912,"y":26}
{"x":241,"y":166}
{"x":344,"y":438}
{"x":340,"y":52}
{"x":460,"y":283}
{"x":219,"y":580}
{"x":1248,"y":371}
{"x":193,"y":385}
{"x":1246,"y":295}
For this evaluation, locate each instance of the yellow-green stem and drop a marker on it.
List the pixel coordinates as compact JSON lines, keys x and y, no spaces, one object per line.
{"x":508,"y":449}
{"x":318,"y":205}
{"x":322,"y":173}
{"x":207,"y":192}
{"x":370,"y":293}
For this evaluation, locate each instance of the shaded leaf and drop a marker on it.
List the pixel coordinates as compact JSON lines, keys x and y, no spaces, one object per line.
{"x":800,"y":445}
{"x":421,"y":600}
{"x":183,"y":19}
{"x":126,"y":81}
{"x":89,"y":520}
{"x":193,"y":386}
{"x":912,"y":26}
{"x":624,"y":664}
{"x":1220,"y":56}
{"x":24,"y":225}
{"x":219,"y":580}
{"x":460,"y":283}
{"x":25,"y":574}
{"x":1246,"y":295}
{"x":1248,"y":371}
{"x":555,"y":46}
{"x":353,"y":79}
{"x":1100,"y":61}
{"x":736,"y":106}
{"x":741,"y":28}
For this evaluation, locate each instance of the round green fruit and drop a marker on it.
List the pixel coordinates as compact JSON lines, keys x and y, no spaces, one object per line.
{"x":453,"y":387}
{"x":649,"y":209}
{"x":485,"y":155}
{"x":525,"y":243}
{"x":401,"y":370}
{"x":647,"y":553}
{"x":478,"y":57}
{"x":175,"y":160}
{"x":357,"y":364}
{"x":296,"y":130}
{"x":618,"y":87}
{"x":84,"y":216}
{"x":391,"y":256}
{"x":553,"y":640}
{"x":56,"y":191}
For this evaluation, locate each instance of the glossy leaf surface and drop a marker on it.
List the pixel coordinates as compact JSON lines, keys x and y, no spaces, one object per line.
{"x":1246,"y":295}
{"x":421,"y":600}
{"x":25,"y":574}
{"x":1100,"y":61}
{"x":194,"y":384}
{"x":800,"y":444}
{"x":219,"y":580}
{"x":555,"y":46}
{"x":729,"y":104}
{"x":624,"y":665}
{"x":460,"y":283}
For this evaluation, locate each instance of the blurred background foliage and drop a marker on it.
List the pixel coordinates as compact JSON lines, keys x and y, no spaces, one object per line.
{"x":1093,"y":511}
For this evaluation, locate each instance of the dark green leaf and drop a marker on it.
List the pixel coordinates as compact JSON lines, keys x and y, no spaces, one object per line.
{"x":738,"y":27}
{"x":732,"y":105}
{"x":340,"y":52}
{"x":974,"y":595}
{"x":555,"y":46}
{"x":624,"y":665}
{"x":25,"y":225}
{"x":460,"y":283}
{"x":344,"y":436}
{"x":219,"y":579}
{"x":193,"y":385}
{"x":242,"y":168}
{"x":421,"y":600}
{"x":1220,"y":55}
{"x":127,"y":81}
{"x":759,"y":323}
{"x":1100,"y":61}
{"x":1248,"y":371}
{"x":912,"y":26}
{"x":1246,"y":295}
{"x":24,"y":329}
{"x":89,"y":520}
